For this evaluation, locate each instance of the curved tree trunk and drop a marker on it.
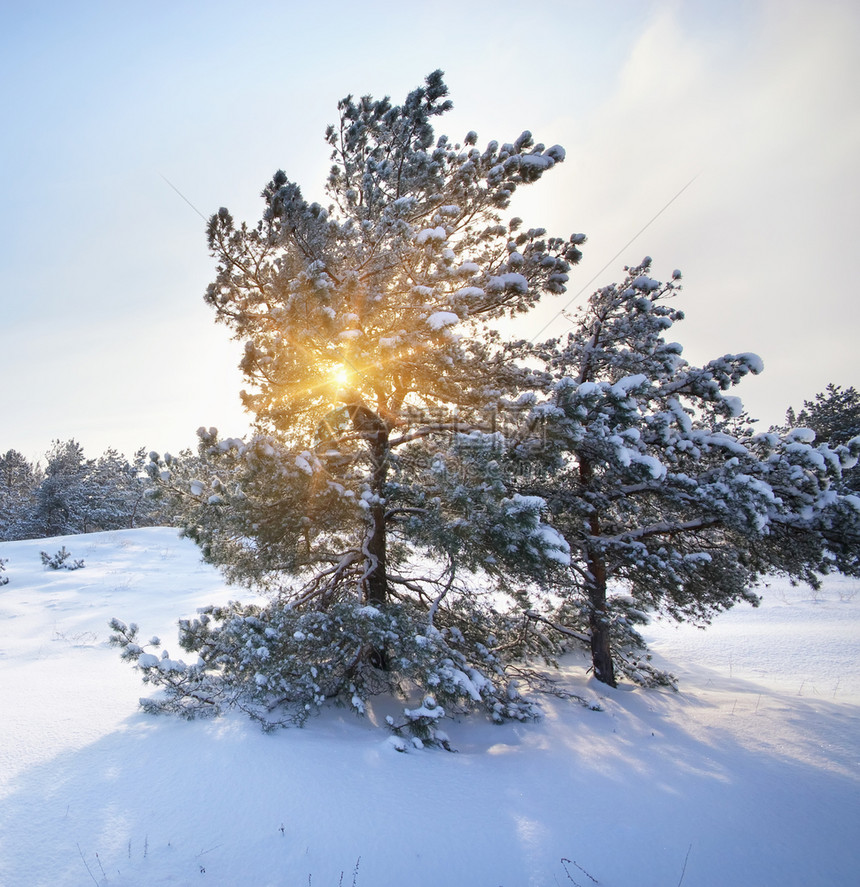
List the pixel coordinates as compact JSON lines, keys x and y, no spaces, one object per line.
{"x":375,"y":579}
{"x":374,"y":583}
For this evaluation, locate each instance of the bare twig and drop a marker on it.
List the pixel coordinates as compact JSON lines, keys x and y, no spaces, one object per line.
{"x":81,"y":852}
{"x":564,"y":863}
{"x":684,"y":869}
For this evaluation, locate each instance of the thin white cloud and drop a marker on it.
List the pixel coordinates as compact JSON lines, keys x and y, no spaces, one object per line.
{"x":765,"y":234}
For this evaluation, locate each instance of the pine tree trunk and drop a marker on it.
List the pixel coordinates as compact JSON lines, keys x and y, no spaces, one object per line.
{"x":375,"y":583}
{"x":598,"y":617}
{"x":375,"y":580}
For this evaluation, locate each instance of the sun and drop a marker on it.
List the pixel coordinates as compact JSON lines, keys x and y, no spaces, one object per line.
{"x":340,"y":375}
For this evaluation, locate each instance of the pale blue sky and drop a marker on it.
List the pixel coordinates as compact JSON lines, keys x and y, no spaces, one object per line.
{"x":105,"y":336}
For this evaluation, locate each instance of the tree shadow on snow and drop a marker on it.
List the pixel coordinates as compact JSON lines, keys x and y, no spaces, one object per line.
{"x":747,"y":786}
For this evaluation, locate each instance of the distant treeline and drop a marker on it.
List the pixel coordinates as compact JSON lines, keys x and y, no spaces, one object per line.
{"x":72,"y":494}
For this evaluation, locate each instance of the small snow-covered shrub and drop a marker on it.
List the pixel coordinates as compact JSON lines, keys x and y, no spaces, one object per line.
{"x":3,"y":579}
{"x":61,"y":560}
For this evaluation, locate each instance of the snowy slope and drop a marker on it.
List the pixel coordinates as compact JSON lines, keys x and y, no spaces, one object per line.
{"x":750,"y":775}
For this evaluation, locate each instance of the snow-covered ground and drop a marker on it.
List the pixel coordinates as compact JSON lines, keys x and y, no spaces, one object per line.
{"x":750,"y":775}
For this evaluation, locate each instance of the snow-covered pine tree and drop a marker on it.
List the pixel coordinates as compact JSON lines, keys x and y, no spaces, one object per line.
{"x":834,"y":416}
{"x":667,"y":498}
{"x":368,"y":500}
{"x":116,"y":491}
{"x":19,"y":480}
{"x":60,"y":504}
